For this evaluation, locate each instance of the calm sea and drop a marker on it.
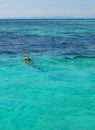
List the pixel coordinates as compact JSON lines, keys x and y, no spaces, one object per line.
{"x":58,"y":91}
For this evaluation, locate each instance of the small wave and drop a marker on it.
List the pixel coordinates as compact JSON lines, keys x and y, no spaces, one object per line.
{"x":7,"y":52}
{"x":66,"y":56}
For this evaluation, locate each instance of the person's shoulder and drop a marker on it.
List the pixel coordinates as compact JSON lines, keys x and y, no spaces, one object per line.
{"x":29,"y":58}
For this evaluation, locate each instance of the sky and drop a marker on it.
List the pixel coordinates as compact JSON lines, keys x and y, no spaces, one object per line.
{"x":47,"y":8}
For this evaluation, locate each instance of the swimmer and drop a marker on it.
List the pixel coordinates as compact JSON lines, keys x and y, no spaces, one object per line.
{"x":27,"y":59}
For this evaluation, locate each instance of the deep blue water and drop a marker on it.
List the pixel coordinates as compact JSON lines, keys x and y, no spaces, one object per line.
{"x":55,"y":37}
{"x":58,"y":91}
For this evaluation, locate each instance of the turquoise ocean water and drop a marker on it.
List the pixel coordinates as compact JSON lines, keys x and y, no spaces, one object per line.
{"x":58,"y":91}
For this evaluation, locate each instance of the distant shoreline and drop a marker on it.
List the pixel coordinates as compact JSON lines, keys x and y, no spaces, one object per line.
{"x":47,"y":18}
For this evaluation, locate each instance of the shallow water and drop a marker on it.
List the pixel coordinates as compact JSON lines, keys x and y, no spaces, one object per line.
{"x":58,"y":93}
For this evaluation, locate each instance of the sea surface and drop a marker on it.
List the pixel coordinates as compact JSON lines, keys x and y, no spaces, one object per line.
{"x":55,"y":92}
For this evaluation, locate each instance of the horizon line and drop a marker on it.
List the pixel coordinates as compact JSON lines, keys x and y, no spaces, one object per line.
{"x":52,"y":17}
